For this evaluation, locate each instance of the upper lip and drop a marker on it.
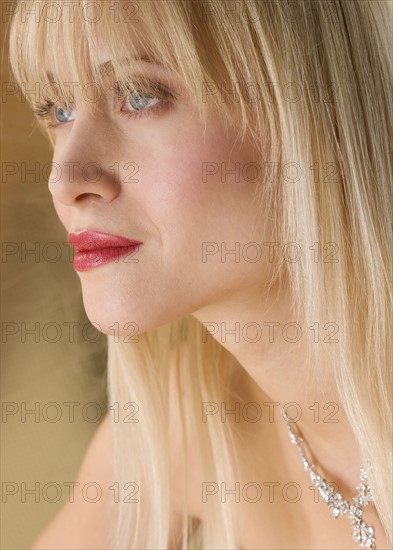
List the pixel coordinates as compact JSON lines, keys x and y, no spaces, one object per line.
{"x":93,"y":240}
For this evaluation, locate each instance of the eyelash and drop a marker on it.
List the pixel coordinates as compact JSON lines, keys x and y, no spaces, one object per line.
{"x":44,"y":110}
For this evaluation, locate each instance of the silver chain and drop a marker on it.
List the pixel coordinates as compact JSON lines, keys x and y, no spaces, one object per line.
{"x":363,"y":534}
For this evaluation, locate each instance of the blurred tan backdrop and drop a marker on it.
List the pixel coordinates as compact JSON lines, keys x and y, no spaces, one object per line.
{"x":39,"y":290}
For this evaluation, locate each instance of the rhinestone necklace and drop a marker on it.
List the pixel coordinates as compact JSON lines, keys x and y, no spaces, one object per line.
{"x":363,"y":534}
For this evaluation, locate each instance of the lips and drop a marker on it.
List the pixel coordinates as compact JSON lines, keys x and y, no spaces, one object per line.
{"x":94,"y":248}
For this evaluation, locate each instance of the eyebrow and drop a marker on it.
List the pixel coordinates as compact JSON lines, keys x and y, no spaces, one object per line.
{"x":107,"y":66}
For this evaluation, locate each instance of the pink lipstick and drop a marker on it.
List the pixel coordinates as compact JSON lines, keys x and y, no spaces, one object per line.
{"x":94,"y":248}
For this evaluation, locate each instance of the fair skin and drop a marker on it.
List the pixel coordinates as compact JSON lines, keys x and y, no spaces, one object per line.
{"x":173,"y":212}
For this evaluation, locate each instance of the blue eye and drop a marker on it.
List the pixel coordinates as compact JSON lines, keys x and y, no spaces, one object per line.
{"x":140,"y":101}
{"x":62,"y":115}
{"x":155,"y":98}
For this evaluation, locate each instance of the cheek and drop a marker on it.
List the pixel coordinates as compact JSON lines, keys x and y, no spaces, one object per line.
{"x":201,"y":209}
{"x":198,"y":185}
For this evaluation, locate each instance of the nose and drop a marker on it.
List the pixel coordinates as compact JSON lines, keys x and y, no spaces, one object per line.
{"x":83,"y":165}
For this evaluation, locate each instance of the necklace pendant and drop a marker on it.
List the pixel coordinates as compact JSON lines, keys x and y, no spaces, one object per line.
{"x":362,"y":533}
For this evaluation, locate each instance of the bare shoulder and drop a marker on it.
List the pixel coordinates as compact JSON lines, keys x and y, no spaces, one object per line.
{"x":81,"y":524}
{"x":78,"y":524}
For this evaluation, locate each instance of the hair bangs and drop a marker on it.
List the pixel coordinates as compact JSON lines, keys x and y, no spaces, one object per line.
{"x":52,"y":58}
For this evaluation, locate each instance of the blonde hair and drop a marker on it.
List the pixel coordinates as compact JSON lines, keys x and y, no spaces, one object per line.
{"x":338,"y":54}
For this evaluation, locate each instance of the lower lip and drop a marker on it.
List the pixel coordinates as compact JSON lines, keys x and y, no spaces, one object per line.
{"x":88,"y":259}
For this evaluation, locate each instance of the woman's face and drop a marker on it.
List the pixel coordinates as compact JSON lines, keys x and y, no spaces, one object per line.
{"x":185,"y":192}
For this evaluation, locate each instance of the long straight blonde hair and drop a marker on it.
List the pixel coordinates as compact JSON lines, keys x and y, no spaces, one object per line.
{"x":313,"y":87}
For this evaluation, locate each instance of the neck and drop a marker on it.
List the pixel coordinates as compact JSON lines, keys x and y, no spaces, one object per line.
{"x":278,"y":374}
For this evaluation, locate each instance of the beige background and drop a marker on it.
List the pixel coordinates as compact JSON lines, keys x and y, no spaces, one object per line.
{"x":34,"y":290}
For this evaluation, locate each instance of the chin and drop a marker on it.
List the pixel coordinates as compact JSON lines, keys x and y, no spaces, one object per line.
{"x":115,"y":322}
{"x":118,"y":310}
{"x":114,"y":319}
